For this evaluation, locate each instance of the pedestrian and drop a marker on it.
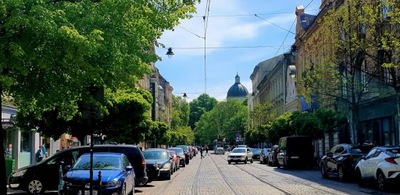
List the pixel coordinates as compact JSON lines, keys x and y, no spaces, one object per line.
{"x":39,"y":156}
{"x":201,"y":152}
{"x":207,"y":150}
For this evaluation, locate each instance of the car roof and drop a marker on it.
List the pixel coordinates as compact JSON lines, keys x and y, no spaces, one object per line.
{"x":104,"y":154}
{"x":155,"y":149}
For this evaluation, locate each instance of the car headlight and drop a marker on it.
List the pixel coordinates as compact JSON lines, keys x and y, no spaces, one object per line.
{"x":19,"y":173}
{"x":166,"y":166}
{"x":114,"y":183}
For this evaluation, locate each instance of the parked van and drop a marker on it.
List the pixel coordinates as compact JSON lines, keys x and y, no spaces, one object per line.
{"x":44,"y":175}
{"x":295,"y":151}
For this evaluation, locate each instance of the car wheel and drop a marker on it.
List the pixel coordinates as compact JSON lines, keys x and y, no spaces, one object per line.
{"x":168,"y":177}
{"x":251,"y":160}
{"x":323,"y":171}
{"x":359,"y":178}
{"x":341,"y":174}
{"x":382,"y":185}
{"x":35,"y":186}
{"x":229,"y":162}
{"x":245,"y":161}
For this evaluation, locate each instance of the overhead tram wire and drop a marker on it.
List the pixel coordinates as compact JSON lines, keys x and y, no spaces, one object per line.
{"x":274,"y":24}
{"x":205,"y":18}
{"x":284,"y":40}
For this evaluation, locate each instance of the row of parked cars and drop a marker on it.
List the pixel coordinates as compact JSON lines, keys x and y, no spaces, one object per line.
{"x":366,"y":164}
{"x":116,"y":169}
{"x":379,"y":165}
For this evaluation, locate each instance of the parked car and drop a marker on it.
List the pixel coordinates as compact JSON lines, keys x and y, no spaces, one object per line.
{"x":240,"y":155}
{"x":340,"y":161}
{"x":295,"y":151}
{"x":181,"y":154}
{"x":186,"y":151}
{"x":159,"y":163}
{"x":175,"y":159}
{"x":220,"y":150}
{"x":256,"y":153}
{"x":264,"y":155}
{"x":117,"y":174}
{"x":272,"y":160}
{"x":381,"y":165}
{"x":242,"y":146}
{"x":32,"y":180}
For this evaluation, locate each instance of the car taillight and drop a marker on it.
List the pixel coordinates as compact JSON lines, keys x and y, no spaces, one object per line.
{"x":391,"y":160}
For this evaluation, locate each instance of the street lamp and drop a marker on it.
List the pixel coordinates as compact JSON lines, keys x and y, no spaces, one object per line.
{"x":170,"y":53}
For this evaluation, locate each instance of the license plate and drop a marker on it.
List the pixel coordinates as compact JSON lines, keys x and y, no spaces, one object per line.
{"x":87,"y":192}
{"x":294,"y":157}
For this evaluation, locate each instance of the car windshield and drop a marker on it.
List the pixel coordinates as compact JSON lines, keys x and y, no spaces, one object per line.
{"x":99,"y":163}
{"x":239,"y":150}
{"x":177,"y":150}
{"x":256,"y":150}
{"x":155,"y":155}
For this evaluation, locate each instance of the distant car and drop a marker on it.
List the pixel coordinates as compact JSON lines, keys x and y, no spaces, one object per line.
{"x":159,"y":163}
{"x":181,"y":154}
{"x":186,"y":151}
{"x":117,"y":174}
{"x":381,"y":165}
{"x":220,"y":150}
{"x":242,"y":146}
{"x":272,"y":160}
{"x":256,"y":153}
{"x":340,"y":161}
{"x":175,"y":159}
{"x":264,"y":155}
{"x":240,"y":155}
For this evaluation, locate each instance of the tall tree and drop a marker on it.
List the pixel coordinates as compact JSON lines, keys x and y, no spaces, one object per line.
{"x":223,"y":121}
{"x":51,"y":50}
{"x":199,"y":106}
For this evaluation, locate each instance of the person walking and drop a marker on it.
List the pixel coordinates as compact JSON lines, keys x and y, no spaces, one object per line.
{"x":201,"y":152}
{"x":207,"y":150}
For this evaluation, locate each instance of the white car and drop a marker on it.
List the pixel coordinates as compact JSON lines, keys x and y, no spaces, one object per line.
{"x":381,"y":165}
{"x":240,"y":155}
{"x":220,"y":150}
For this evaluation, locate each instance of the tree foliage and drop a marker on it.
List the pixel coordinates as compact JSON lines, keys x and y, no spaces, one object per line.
{"x":260,"y":116}
{"x":199,"y":106}
{"x":223,"y":121}
{"x":314,"y":124}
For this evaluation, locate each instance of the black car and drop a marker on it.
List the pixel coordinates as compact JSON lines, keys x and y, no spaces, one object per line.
{"x":181,"y":154}
{"x":186,"y":151}
{"x":256,"y":153}
{"x":295,"y":151}
{"x":158,"y":163}
{"x":340,"y":161}
{"x":42,"y":176}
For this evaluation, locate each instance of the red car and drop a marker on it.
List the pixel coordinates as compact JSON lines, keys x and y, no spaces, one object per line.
{"x":175,"y":159}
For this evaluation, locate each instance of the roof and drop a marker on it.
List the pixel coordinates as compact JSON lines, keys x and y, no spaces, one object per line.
{"x":237,"y":89}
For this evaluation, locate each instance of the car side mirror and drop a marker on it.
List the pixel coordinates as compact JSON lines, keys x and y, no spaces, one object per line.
{"x":129,"y":168}
{"x":68,"y":167}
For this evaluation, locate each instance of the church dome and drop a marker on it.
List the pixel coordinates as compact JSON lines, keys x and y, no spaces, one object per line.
{"x":237,"y":90}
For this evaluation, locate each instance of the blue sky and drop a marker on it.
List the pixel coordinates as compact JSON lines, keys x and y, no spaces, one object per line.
{"x":236,"y":41}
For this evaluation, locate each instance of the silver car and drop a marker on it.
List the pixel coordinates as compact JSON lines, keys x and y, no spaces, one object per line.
{"x":240,"y":155}
{"x":381,"y":165}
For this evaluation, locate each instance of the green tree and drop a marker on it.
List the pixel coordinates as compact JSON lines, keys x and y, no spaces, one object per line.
{"x":223,"y":121}
{"x":259,"y":117}
{"x":50,"y":50}
{"x":199,"y":106}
